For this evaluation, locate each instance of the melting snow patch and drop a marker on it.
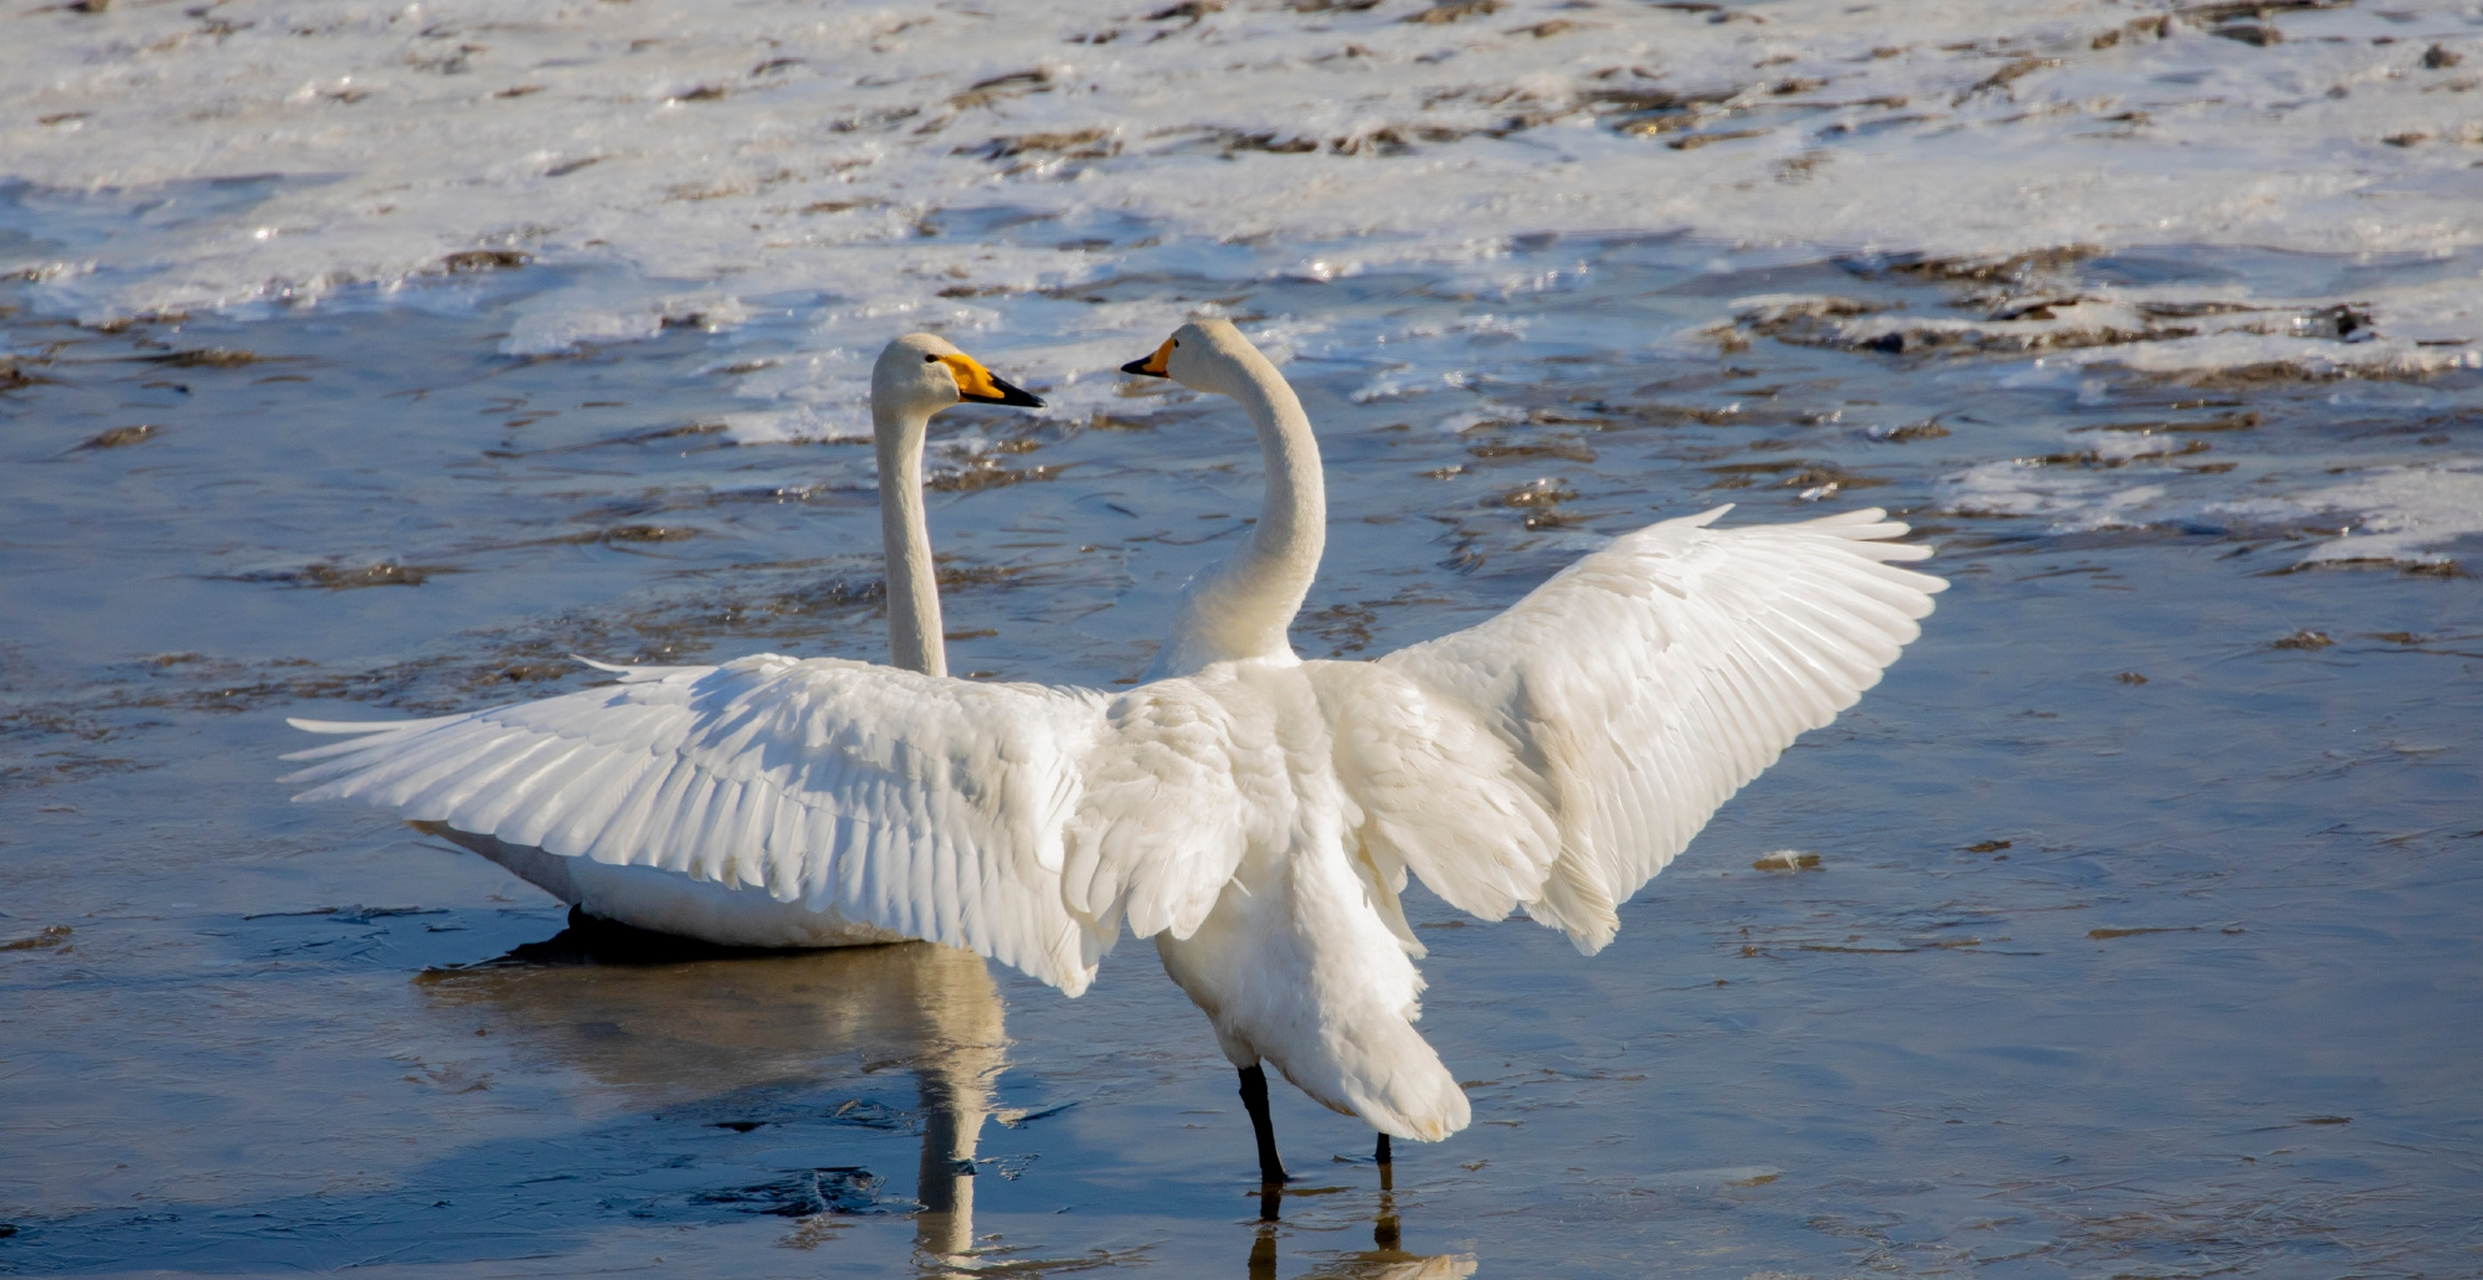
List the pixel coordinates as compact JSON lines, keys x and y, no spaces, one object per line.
{"x":2075,"y":503}
{"x":2403,"y":512}
{"x":2314,"y":357}
{"x":802,"y":424}
{"x":554,"y":331}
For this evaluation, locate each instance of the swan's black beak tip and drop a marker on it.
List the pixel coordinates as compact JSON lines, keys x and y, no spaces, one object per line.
{"x":1139,"y":366}
{"x":1010,"y":394}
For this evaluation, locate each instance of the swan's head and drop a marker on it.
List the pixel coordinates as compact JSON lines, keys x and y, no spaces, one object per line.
{"x":1203,"y":355}
{"x":924,"y":374}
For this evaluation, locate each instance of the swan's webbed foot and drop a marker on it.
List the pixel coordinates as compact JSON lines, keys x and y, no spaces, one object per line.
{"x":1254,"y":1098}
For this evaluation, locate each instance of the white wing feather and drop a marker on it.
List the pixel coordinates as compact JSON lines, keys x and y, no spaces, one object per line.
{"x":1629,"y":697}
{"x":934,"y":808}
{"x":1170,"y":809}
{"x":1440,"y":794}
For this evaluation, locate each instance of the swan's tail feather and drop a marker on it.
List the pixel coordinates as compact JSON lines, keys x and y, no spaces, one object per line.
{"x":1402,"y":1088}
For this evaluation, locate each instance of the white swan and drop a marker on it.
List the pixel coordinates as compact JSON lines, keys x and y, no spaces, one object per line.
{"x":916,"y":377}
{"x":1253,"y":813}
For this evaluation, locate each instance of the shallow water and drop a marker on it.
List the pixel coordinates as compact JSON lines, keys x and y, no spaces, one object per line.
{"x":2138,"y":943}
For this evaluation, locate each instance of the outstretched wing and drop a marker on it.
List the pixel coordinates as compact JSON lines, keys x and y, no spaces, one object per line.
{"x":1630,"y":696}
{"x":931,"y":807}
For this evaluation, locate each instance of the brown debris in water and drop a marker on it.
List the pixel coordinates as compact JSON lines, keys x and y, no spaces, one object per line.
{"x":997,"y":89}
{"x":2155,"y":28}
{"x":1076,"y":144}
{"x":339,"y":578}
{"x":532,"y":672}
{"x":2404,"y":568}
{"x":1692,"y":142}
{"x":986,"y":473}
{"x":205,"y":358}
{"x":1541,"y":500}
{"x":647,"y":533}
{"x":2229,"y":422}
{"x":1790,"y":473}
{"x":1346,"y":627}
{"x":2252,"y":377}
{"x":1544,"y":492}
{"x":1276,"y":144}
{"x":2261,"y":34}
{"x":1779,"y":317}
{"x":2015,"y":268}
{"x":1567,"y":450}
{"x":2008,"y":74}
{"x":2095,"y":459}
{"x":667,"y":433}
{"x":2304,"y":639}
{"x":52,"y":936}
{"x":483,"y":260}
{"x":119,"y":437}
{"x":1452,"y":11}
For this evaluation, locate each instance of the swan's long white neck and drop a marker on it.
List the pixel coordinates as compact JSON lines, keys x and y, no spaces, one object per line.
{"x":1244,"y":607}
{"x":915,"y":642}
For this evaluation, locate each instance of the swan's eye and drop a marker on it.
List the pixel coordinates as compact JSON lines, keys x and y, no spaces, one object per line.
{"x":931,"y":359}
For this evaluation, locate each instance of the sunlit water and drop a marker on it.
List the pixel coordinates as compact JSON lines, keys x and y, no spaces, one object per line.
{"x":2140,"y":939}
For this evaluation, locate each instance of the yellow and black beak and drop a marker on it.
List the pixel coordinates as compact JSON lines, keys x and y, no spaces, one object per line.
{"x":1152,"y":366}
{"x":980,"y":385}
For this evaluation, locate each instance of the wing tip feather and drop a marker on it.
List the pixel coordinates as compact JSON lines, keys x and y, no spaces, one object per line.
{"x":307,"y":725}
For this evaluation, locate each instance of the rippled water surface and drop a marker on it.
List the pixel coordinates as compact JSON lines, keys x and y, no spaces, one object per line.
{"x":2140,"y":938}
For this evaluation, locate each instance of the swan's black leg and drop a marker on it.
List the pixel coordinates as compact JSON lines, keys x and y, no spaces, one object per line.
{"x":1384,"y":1156}
{"x":1254,"y":1096}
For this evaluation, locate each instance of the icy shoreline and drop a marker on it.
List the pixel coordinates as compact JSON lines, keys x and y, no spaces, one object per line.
{"x":913,"y":158}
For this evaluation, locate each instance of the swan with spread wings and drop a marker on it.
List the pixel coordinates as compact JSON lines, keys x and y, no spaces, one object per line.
{"x":1256,"y":815}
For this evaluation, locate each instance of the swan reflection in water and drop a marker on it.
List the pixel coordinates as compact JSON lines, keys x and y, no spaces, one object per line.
{"x":656,"y":1014}
{"x":1386,"y":1259}
{"x":686,"y":1021}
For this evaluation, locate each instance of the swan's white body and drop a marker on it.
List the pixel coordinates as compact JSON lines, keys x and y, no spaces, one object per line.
{"x":1255,"y":814}
{"x":661,"y":901}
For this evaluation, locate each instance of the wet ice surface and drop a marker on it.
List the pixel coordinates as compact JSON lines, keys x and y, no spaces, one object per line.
{"x":2138,"y":941}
